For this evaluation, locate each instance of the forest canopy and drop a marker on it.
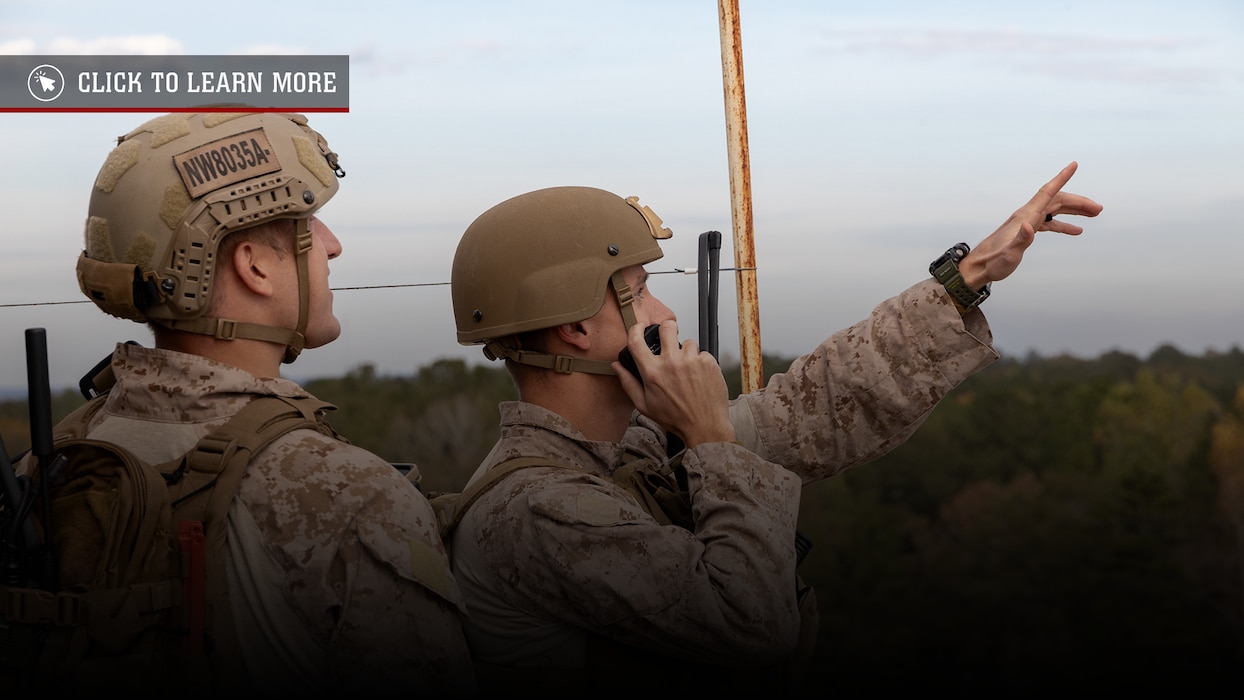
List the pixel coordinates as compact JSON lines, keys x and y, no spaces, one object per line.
{"x":1056,"y":520}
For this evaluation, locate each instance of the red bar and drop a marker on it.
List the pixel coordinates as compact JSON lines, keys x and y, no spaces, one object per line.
{"x":162,"y":110}
{"x":190,"y":536}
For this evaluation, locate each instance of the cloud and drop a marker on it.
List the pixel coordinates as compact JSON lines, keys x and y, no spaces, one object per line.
{"x":138,"y":45}
{"x":271,"y":50}
{"x":1140,"y":73}
{"x":370,"y":61}
{"x":1005,"y":40}
{"x":471,"y":49}
{"x":17,"y":47}
{"x":365,"y":53}
{"x":1167,"y":60}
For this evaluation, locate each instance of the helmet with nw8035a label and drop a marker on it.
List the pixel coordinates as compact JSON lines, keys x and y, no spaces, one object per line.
{"x":177,"y":185}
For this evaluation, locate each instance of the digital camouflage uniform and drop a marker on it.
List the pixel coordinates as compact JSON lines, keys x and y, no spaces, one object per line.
{"x":555,"y":564}
{"x":337,"y":576}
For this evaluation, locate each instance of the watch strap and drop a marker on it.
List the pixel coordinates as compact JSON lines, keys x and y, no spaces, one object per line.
{"x":946,"y":270}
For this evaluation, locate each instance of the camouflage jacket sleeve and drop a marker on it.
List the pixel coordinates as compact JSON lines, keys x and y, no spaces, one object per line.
{"x":866,"y":388}
{"x":362,"y":562}
{"x":581,"y":551}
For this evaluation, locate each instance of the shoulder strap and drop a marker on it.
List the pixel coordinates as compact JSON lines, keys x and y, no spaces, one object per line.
{"x":221,"y":457}
{"x":451,"y":507}
{"x":259,"y":422}
{"x":73,"y":425}
{"x":656,"y":490}
{"x":248,"y":431}
{"x":656,"y":486}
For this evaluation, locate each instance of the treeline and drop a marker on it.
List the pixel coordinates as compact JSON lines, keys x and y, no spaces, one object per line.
{"x":1056,"y":523}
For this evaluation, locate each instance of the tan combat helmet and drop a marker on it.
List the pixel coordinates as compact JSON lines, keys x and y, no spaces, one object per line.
{"x":546,"y":258}
{"x":173,"y":188}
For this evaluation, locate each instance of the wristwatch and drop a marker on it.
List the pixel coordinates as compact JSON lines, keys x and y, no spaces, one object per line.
{"x":946,"y":270}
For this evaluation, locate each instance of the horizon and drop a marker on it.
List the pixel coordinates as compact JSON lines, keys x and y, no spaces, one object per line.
{"x":728,"y":363}
{"x":879,"y":135}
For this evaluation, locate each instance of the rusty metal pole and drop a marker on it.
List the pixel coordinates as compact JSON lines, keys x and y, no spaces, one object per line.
{"x":750,"y":360}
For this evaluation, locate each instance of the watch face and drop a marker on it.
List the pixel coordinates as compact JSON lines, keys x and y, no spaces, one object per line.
{"x":953,"y":255}
{"x":944,"y":268}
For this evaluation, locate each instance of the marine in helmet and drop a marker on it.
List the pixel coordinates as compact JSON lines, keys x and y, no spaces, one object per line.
{"x":205,"y":227}
{"x":592,"y":558}
{"x":179,"y":196}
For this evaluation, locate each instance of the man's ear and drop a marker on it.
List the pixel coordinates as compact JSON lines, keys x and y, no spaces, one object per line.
{"x":253,"y":266}
{"x":574,"y":334}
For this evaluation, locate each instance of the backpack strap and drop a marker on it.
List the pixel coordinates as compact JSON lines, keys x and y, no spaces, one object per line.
{"x":450,"y":507}
{"x":656,"y":489}
{"x":73,"y":425}
{"x":251,"y":429}
{"x":213,"y":471}
{"x":656,"y":486}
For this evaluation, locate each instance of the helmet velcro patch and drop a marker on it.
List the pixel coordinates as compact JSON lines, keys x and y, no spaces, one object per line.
{"x":173,"y":206}
{"x":119,"y":162}
{"x":141,"y":251}
{"x":313,"y":159}
{"x":99,"y":240}
{"x":167,"y":129}
{"x":226,"y":161}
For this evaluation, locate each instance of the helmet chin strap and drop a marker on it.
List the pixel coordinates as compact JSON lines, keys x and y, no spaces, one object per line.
{"x":293,"y":340}
{"x":565,"y":364}
{"x":625,"y":298}
{"x":303,"y":241}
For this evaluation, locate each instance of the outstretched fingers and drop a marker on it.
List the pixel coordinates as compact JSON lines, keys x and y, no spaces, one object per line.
{"x":1063,"y":227}
{"x":1051,"y":201}
{"x":1050,"y":189}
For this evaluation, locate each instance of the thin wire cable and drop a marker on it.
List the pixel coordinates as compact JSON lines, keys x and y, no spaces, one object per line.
{"x":675,"y":271}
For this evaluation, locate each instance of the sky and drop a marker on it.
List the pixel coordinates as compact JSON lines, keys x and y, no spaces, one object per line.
{"x":879,"y":134}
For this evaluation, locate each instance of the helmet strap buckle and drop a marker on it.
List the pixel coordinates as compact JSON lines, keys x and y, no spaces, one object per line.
{"x":625,"y":297}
